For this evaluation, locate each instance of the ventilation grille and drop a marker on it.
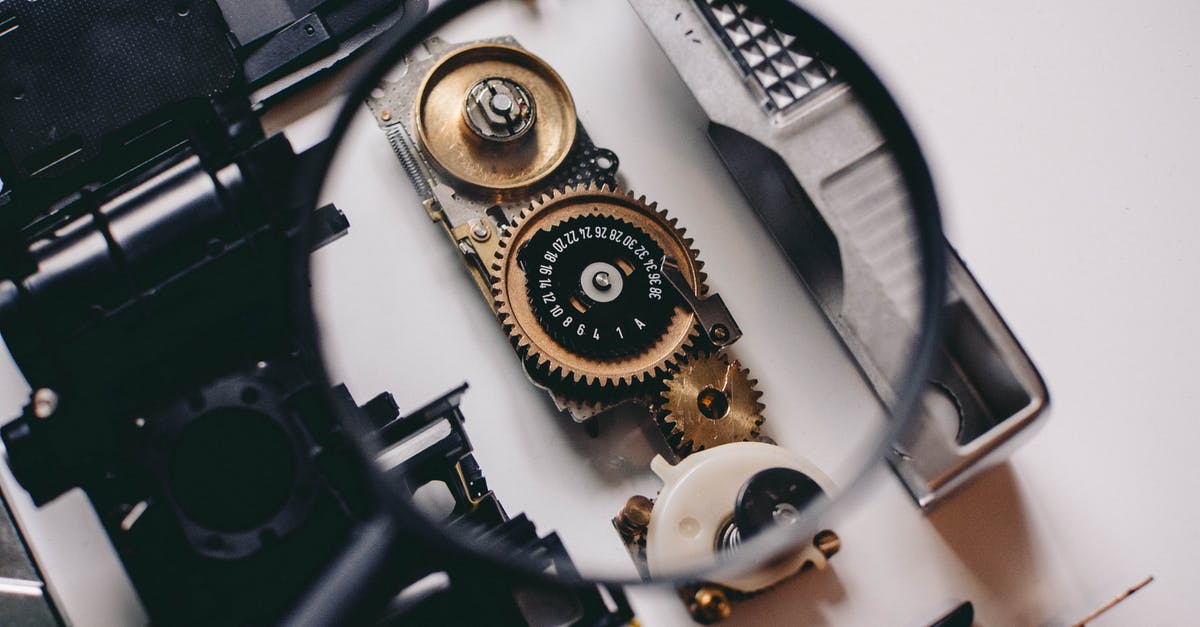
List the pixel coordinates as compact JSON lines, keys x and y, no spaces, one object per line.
{"x":781,"y":70}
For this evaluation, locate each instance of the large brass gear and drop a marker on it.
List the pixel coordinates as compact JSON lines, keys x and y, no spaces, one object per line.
{"x":550,"y":363}
{"x":708,"y":402}
{"x":494,"y":166}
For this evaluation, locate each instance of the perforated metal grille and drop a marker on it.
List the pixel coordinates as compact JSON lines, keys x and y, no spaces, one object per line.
{"x":782,"y":70}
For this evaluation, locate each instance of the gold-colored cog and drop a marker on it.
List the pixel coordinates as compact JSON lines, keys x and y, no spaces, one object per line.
{"x":552,"y":364}
{"x":710,"y":402}
{"x":499,"y":166}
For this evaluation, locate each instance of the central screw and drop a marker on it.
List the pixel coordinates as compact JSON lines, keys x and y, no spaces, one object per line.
{"x":713,"y":403}
{"x":501,"y":103}
{"x":499,"y":109}
{"x":602,"y":280}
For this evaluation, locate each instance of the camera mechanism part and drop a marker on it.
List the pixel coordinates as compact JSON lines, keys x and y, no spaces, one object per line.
{"x":772,"y":104}
{"x":710,"y":401}
{"x":578,"y":285}
{"x":714,"y":500}
{"x":601,"y":293}
{"x":429,"y":455}
{"x":603,"y":297}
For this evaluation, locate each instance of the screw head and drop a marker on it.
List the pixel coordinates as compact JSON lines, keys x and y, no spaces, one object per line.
{"x":602,"y":280}
{"x":827,"y":542}
{"x":719,"y":333}
{"x":479,"y":230}
{"x":634,"y":518}
{"x":709,"y":605}
{"x":45,"y":402}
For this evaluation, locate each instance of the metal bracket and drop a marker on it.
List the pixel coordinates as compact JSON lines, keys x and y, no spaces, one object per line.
{"x":716,"y":322}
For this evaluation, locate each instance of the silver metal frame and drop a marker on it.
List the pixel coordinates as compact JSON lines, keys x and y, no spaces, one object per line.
{"x":820,"y":174}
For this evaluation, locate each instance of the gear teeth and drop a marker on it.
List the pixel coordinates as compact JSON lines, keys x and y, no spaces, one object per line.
{"x":543,"y":367}
{"x":687,"y":430}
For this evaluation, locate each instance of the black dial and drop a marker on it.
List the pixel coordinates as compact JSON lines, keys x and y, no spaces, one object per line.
{"x":596,"y":286}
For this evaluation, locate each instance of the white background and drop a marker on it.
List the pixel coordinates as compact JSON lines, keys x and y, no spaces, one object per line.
{"x":1062,"y":140}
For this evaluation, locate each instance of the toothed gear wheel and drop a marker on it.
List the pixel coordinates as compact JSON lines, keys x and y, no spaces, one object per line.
{"x":710,"y":402}
{"x":578,"y":286}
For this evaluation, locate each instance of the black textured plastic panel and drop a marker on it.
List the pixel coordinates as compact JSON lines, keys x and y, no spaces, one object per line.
{"x":76,"y":73}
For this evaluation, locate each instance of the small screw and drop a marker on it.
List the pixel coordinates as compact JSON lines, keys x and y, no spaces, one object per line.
{"x":309,"y":29}
{"x":602,"y":280}
{"x":827,"y":542}
{"x":501,"y":103}
{"x":635,"y":516}
{"x":385,"y":116}
{"x":479,"y":230}
{"x":710,"y":605}
{"x":719,"y":333}
{"x":45,"y":403}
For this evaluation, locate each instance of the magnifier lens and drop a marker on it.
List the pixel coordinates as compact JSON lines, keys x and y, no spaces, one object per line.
{"x":675,"y":252}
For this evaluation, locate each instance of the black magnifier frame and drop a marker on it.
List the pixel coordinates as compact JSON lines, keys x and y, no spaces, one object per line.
{"x":883,"y":110}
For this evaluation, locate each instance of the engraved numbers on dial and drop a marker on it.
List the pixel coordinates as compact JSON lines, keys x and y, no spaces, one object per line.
{"x":596,"y":286}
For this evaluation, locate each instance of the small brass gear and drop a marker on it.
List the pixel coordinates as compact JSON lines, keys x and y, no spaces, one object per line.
{"x":708,"y":402}
{"x":617,"y":359}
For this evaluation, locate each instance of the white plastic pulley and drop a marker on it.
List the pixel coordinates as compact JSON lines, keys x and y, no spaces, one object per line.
{"x":697,"y":501}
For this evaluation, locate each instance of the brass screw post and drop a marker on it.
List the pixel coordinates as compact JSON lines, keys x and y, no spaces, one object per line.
{"x":710,"y":605}
{"x":635,"y":516}
{"x":479,"y":230}
{"x":719,"y":333}
{"x":827,"y":542}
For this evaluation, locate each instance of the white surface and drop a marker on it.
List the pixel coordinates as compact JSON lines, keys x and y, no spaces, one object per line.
{"x":1063,"y":140}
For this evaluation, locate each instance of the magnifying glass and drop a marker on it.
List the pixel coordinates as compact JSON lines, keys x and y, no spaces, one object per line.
{"x":686,"y":256}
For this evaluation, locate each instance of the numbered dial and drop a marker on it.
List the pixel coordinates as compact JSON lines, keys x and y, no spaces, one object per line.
{"x":596,"y":286}
{"x":579,"y":288}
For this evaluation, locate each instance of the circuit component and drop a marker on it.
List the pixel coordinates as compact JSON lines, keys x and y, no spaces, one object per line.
{"x":578,"y":285}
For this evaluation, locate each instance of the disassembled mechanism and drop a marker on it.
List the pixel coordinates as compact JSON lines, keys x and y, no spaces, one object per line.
{"x":578,"y":285}
{"x":604,"y":299}
{"x":714,"y":500}
{"x":709,"y":402}
{"x":600,"y":292}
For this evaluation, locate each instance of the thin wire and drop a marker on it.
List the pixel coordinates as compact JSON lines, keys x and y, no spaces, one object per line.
{"x":1113,"y":603}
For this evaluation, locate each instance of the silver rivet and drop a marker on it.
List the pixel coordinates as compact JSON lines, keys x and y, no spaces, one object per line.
{"x":601,"y":280}
{"x":45,"y":403}
{"x":479,"y":230}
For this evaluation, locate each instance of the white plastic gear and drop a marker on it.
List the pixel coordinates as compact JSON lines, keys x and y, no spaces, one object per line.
{"x":550,"y":363}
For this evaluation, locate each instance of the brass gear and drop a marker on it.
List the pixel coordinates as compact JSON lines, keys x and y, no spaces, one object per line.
{"x":710,"y":402}
{"x":494,"y":166}
{"x":549,"y":362}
